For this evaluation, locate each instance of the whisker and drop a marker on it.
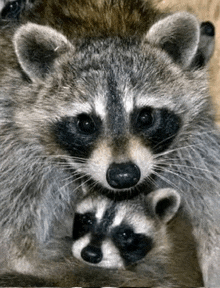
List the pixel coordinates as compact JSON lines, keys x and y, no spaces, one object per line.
{"x":83,"y":183}
{"x":187,"y":166}
{"x":173,"y":150}
{"x":178,"y":175}
{"x":167,"y":181}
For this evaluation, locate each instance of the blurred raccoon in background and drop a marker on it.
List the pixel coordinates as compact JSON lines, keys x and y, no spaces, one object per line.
{"x":107,"y":96}
{"x":10,"y":10}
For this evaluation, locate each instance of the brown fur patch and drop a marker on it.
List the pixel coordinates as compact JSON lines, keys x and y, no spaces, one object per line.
{"x":121,"y":18}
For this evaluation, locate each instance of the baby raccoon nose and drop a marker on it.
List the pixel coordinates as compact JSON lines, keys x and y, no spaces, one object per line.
{"x":123,"y":175}
{"x":91,"y":254}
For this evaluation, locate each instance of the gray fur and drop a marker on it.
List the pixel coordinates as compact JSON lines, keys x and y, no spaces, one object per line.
{"x":38,"y":186}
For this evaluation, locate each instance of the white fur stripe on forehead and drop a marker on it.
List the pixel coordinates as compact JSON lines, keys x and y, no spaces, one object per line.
{"x":128,"y":100}
{"x":155,"y":101}
{"x":141,"y":224}
{"x":75,"y":109}
{"x":133,"y":217}
{"x":120,"y":216}
{"x":85,"y":206}
{"x":100,"y":106}
{"x":97,"y":205}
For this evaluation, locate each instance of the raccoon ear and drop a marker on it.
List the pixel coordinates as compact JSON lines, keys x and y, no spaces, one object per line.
{"x":166,"y":203}
{"x":177,"y":34}
{"x":37,"y":48}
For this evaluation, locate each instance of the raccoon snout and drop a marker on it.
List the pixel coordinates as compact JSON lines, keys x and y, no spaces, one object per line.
{"x":92,"y":254}
{"x":123,"y":175}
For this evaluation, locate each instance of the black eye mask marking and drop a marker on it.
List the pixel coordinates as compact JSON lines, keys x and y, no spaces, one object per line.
{"x":99,"y":228}
{"x":77,"y":135}
{"x":132,"y":246}
{"x":83,"y":224}
{"x":157,"y":127}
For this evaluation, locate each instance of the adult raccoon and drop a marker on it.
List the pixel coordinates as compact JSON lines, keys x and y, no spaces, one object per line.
{"x":114,"y":102}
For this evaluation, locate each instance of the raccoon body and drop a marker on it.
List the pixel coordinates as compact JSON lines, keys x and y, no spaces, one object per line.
{"x":123,"y":110}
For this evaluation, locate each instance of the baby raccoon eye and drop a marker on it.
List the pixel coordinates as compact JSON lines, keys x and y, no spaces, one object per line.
{"x":127,"y":236}
{"x":87,"y":219}
{"x":83,"y":224}
{"x":86,"y":124}
{"x":124,"y":236}
{"x":145,"y":118}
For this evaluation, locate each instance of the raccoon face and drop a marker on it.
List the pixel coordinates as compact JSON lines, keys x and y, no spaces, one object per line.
{"x":117,"y":234}
{"x":109,"y":107}
{"x":121,"y":160}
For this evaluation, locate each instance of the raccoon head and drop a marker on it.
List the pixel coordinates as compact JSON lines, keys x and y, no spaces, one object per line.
{"x":116,"y":234}
{"x":110,"y":106}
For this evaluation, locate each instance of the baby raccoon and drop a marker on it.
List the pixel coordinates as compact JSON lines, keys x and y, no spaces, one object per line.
{"x":113,"y":234}
{"x":145,"y":240}
{"x":107,"y":96}
{"x":137,"y":235}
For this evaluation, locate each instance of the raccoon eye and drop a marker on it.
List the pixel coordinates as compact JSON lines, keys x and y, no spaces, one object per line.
{"x":127,"y":236}
{"x":124,"y":236}
{"x":145,"y":118}
{"x":87,"y":219}
{"x":83,"y":224}
{"x":86,"y":124}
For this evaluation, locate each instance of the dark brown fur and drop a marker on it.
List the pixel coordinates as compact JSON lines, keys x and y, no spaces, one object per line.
{"x":85,"y":18}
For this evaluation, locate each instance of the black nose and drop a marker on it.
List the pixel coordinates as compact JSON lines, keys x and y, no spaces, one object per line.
{"x":92,"y":254}
{"x":123,"y":175}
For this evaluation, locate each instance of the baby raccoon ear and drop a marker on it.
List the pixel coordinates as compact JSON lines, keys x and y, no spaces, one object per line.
{"x":177,"y":34}
{"x":37,"y":48}
{"x":166,"y":203}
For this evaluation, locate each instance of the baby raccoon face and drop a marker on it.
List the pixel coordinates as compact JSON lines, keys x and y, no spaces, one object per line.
{"x":117,"y":234}
{"x":103,"y":238}
{"x":109,"y":107}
